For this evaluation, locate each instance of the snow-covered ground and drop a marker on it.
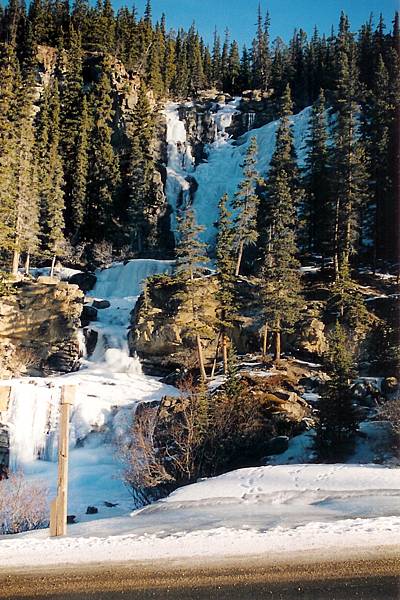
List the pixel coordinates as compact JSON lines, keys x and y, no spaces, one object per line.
{"x":248,"y":512}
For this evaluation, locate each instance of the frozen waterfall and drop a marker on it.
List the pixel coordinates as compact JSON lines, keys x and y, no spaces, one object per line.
{"x":107,"y":383}
{"x":221,"y":172}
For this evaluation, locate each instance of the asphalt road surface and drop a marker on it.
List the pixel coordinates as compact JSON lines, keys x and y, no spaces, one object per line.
{"x":344,"y":580}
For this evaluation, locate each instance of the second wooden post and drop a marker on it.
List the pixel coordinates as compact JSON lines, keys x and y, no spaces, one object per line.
{"x":58,"y":508}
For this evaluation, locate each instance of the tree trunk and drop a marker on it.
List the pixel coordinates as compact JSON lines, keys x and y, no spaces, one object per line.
{"x":27,"y":263}
{"x":225,"y":352}
{"x":265,"y":340}
{"x":15,"y":262}
{"x":53,"y":263}
{"x":239,"y":260}
{"x":215,"y":357}
{"x":336,"y":242}
{"x":203,"y":373}
{"x":278,"y":342}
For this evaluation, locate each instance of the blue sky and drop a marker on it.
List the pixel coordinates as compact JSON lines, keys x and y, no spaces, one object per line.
{"x":240,"y":15}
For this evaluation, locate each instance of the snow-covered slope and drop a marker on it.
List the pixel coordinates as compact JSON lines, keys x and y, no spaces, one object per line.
{"x":222,"y":171}
{"x":257,"y":511}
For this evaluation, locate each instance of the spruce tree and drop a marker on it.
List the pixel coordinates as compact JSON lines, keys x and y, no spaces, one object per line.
{"x":143,"y":200}
{"x":190,"y":253}
{"x":317,"y":183}
{"x":225,"y":273}
{"x":51,"y":175}
{"x":246,"y":203}
{"x":79,"y":183}
{"x":8,"y":147}
{"x":280,"y":287}
{"x":337,"y":419}
{"x":104,"y":173}
{"x":348,"y":170}
{"x":26,"y":237}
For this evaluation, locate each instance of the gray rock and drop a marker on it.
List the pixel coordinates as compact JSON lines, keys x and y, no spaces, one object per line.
{"x":92,"y":510}
{"x":85,"y":280}
{"x":101,"y":304}
{"x":89,"y":313}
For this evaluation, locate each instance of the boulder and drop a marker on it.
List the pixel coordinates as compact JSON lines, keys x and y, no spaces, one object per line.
{"x":101,"y":304}
{"x":89,"y":313}
{"x":92,"y":510}
{"x":84,"y":280}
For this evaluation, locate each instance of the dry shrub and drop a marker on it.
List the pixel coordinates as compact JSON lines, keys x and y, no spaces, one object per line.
{"x":390,"y":411}
{"x":23,"y":504}
{"x":143,"y":472}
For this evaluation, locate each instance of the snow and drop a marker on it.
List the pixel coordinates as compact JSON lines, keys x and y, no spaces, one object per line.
{"x":222,"y":171}
{"x":254,"y":511}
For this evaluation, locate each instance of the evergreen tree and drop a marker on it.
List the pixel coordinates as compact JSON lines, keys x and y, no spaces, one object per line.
{"x":216,"y":60}
{"x":104,"y":174}
{"x":349,"y":176}
{"x":79,"y":183}
{"x":26,"y":176}
{"x":51,"y":175}
{"x":337,"y":418}
{"x":317,"y":183}
{"x":8,"y":147}
{"x":225,"y":273}
{"x":281,"y":288}
{"x":232,"y":84}
{"x":190,"y":253}
{"x":246,"y":203}
{"x":143,"y":201}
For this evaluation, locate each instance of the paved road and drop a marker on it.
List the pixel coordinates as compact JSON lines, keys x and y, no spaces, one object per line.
{"x":346,"y":580}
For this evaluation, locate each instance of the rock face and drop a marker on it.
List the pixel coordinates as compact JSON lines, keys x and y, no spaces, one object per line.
{"x":162,"y":339}
{"x":39,"y":328}
{"x":160,"y":334}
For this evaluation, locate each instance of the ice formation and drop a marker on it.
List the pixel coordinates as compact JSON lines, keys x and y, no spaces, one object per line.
{"x":222,"y":171}
{"x":109,"y":384}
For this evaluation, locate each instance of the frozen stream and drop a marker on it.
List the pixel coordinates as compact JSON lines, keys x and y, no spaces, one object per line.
{"x":109,"y":385}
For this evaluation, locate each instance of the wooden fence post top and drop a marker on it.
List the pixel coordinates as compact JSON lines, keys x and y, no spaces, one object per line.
{"x":68,"y":393}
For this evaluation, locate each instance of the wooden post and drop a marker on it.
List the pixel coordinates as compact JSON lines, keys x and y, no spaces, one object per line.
{"x":58,"y":508}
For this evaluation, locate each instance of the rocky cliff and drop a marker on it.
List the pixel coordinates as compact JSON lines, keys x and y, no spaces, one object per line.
{"x":39,"y":324}
{"x":161,"y":337}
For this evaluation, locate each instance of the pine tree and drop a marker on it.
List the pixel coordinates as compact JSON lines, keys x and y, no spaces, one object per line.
{"x":337,"y":418}
{"x":349,"y":176}
{"x":79,"y":183}
{"x":8,"y":147}
{"x":70,"y":123}
{"x":143,"y":200}
{"x":190,"y":253}
{"x":216,"y":60}
{"x":51,"y":175}
{"x":225,"y":273}
{"x":317,"y":183}
{"x":104,"y":173}
{"x":233,"y":79}
{"x":281,"y":288}
{"x":261,"y":53}
{"x":246,"y":203}
{"x":26,"y":237}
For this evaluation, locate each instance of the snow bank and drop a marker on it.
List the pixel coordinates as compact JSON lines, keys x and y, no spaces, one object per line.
{"x":250,"y":512}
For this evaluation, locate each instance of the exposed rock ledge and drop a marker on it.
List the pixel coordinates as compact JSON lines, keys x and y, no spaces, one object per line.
{"x":39,"y":324}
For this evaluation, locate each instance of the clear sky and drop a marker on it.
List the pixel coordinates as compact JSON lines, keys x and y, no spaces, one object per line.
{"x":240,"y":15}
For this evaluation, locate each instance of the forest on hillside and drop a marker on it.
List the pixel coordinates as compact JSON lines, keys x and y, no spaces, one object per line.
{"x":68,"y":186}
